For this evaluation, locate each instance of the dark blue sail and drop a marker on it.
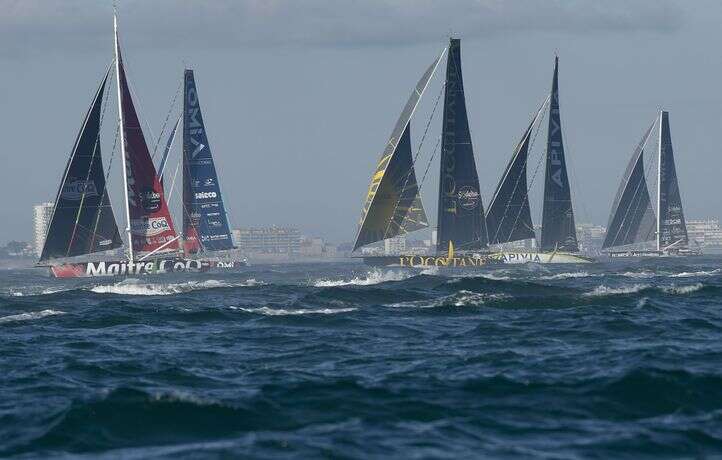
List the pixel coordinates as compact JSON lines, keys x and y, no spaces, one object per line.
{"x":558,"y":229}
{"x":461,"y":212}
{"x":205,"y":224}
{"x":83,"y":220}
{"x":672,"y":229}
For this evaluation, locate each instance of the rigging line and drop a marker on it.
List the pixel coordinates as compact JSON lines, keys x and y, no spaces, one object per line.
{"x":96,"y":146}
{"x":413,"y":162}
{"x":537,"y":119}
{"x":636,"y":190}
{"x":167,"y":117}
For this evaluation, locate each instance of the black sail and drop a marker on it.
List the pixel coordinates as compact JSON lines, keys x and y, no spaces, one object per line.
{"x":509,"y":216}
{"x":672,"y":228}
{"x":632,"y":218}
{"x":393,"y":205}
{"x":83,"y":220}
{"x":558,"y":229}
{"x":461,"y":212}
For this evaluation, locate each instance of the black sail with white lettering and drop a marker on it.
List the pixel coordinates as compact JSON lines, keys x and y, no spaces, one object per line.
{"x":393,"y":205}
{"x":558,"y":229}
{"x":632,"y":219}
{"x":461,"y":212}
{"x":83,"y":220}
{"x":672,"y":231}
{"x":509,"y":216}
{"x":205,"y":224}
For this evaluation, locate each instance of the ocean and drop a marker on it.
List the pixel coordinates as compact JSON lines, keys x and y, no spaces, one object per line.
{"x":611,"y":360}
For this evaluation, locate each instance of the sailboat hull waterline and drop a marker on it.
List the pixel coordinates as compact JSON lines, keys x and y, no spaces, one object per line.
{"x":477,"y":260}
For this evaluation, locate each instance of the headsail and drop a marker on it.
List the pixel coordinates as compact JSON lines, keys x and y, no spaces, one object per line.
{"x":393,"y":205}
{"x":205,"y":225}
{"x":151,"y":227}
{"x":632,"y":218}
{"x":83,"y":220}
{"x":509,"y":216}
{"x":461,"y":212}
{"x":671,"y":227}
{"x":558,"y":229}
{"x":168,"y":147}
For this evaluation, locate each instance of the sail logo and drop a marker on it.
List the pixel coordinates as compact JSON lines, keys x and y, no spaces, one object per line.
{"x":79,"y":189}
{"x":205,"y":195}
{"x":468,"y":197}
{"x":151,"y":200}
{"x":149,"y":227}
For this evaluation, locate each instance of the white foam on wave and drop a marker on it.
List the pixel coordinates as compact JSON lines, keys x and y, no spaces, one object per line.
{"x":30,"y":316}
{"x":607,"y":291}
{"x":568,"y":275}
{"x":301,"y":311}
{"x":693,"y":274}
{"x":641,"y":275}
{"x":461,"y":298}
{"x":133,"y":286}
{"x":372,"y":277}
{"x":682,"y":289}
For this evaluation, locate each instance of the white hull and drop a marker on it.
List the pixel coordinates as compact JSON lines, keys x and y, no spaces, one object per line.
{"x":513,"y":258}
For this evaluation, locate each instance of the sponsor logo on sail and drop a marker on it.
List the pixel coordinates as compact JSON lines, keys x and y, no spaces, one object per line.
{"x":149,"y":227}
{"x":205,"y":195}
{"x":151,"y":200}
{"x":468,"y":197}
{"x":209,"y":182}
{"x":76,"y":189}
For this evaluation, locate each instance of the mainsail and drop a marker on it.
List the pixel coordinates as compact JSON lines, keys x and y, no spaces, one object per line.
{"x":558,"y":229}
{"x":393,"y":205}
{"x":83,"y":220}
{"x":509,"y":216}
{"x":151,"y":227}
{"x":205,"y":225}
{"x":632,"y":218}
{"x":461,"y":212}
{"x":671,"y":227}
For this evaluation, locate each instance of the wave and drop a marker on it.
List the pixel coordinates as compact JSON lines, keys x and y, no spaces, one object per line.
{"x":30,"y":316}
{"x":372,"y":277}
{"x":642,"y":274}
{"x":682,"y":289}
{"x":603,"y":290}
{"x":266,"y":311}
{"x":132,"y":286}
{"x":693,"y":274}
{"x":564,"y":276}
{"x":461,"y":298}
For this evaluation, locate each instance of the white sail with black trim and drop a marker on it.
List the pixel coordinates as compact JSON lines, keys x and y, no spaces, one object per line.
{"x":393,"y":205}
{"x":632,"y":218}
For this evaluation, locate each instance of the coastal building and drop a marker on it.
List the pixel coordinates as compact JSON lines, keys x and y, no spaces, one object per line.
{"x":590,"y":238}
{"x":395,"y":245}
{"x":42,"y":213}
{"x":268,"y":240}
{"x":704,"y":233}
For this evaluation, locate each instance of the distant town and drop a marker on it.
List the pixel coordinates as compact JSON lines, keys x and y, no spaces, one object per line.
{"x":283,"y":244}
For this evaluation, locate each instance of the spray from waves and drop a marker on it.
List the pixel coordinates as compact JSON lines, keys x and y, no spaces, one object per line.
{"x":601,"y":291}
{"x":682,"y":289}
{"x":693,"y":274}
{"x":30,"y":316}
{"x":374,"y":276}
{"x":461,"y":298}
{"x":639,"y":275}
{"x":565,"y":276}
{"x":266,"y":311}
{"x":132,"y":286}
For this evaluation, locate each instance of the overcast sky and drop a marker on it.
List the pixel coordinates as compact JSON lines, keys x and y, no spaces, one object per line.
{"x":299,"y":96}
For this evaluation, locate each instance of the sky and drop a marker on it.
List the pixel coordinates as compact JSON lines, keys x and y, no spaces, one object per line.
{"x":299,"y":97}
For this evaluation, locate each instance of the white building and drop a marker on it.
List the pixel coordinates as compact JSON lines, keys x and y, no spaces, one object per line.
{"x":394,"y":246}
{"x":42,"y":213}
{"x":705,"y":233}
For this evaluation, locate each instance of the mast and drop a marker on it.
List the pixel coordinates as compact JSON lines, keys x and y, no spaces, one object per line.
{"x":122,"y":138}
{"x":659,"y":181}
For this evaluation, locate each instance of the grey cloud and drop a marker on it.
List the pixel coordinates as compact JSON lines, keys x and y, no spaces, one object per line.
{"x":37,"y":26}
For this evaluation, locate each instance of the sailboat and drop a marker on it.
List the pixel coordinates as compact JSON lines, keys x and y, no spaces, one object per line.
{"x":393,"y":205}
{"x":83,"y":222}
{"x":632,"y":222}
{"x":509,"y":216}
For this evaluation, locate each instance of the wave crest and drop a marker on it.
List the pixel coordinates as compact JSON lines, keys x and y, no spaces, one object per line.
{"x":30,"y":316}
